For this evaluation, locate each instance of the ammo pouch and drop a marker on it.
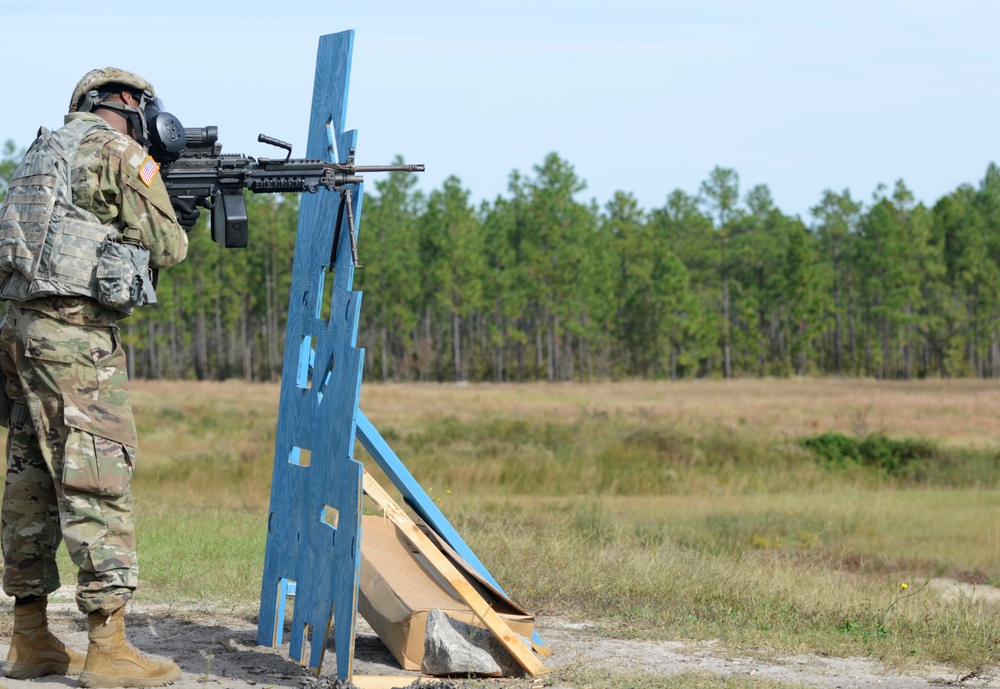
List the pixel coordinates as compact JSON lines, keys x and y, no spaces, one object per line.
{"x":124,"y":280}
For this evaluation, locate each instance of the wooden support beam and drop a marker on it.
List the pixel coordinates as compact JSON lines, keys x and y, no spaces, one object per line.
{"x":511,"y":641}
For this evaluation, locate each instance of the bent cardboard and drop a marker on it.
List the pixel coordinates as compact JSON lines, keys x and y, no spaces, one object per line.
{"x":398,"y":589}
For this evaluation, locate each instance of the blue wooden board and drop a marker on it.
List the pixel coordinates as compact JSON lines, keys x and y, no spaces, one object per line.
{"x":314,"y":521}
{"x":313,"y":553}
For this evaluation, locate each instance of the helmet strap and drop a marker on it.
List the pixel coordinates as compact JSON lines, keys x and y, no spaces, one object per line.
{"x":91,"y":100}
{"x":135,"y":115}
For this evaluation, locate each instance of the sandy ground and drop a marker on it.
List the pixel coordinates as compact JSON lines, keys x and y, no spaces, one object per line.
{"x":215,"y":648}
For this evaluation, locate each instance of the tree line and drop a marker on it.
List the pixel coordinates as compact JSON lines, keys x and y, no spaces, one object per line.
{"x":538,"y":284}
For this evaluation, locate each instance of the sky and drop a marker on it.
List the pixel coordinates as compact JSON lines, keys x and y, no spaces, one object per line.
{"x":642,"y":97}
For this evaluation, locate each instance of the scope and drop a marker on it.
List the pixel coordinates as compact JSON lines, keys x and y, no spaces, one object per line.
{"x":201,"y":137}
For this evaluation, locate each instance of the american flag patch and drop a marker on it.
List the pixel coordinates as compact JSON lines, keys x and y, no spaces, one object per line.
{"x":147,"y":173}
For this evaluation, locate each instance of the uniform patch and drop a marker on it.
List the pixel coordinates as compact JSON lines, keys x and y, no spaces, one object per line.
{"x":147,"y":173}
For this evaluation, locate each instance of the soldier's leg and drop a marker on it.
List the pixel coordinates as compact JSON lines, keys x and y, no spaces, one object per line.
{"x":29,"y":516}
{"x":98,"y":525}
{"x":30,"y":529}
{"x":98,"y":521}
{"x":74,"y":381}
{"x":96,"y":497}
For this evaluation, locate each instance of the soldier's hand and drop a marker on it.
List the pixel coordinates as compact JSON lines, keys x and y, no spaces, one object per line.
{"x":186,"y":208}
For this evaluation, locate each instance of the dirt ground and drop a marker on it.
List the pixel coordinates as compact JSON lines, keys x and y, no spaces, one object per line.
{"x":216,"y":648}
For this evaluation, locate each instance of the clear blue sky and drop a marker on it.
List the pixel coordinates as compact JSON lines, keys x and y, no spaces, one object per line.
{"x":645,"y":97}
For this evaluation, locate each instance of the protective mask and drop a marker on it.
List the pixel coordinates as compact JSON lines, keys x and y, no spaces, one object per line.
{"x":163,"y":132}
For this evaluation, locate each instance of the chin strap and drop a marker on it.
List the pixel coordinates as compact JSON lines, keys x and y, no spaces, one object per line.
{"x":135,"y":115}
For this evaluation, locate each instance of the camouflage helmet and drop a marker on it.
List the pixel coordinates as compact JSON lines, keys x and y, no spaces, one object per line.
{"x":95,"y":79}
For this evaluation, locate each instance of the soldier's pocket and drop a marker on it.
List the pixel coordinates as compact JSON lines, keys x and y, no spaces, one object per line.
{"x":111,"y":370}
{"x":47,"y":341}
{"x":100,"y":447}
{"x":105,"y":345}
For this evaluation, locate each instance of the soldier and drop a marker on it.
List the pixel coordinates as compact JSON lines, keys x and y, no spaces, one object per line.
{"x":86,"y":222}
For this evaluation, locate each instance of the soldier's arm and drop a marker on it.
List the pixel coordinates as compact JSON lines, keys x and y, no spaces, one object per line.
{"x":112,"y":184}
{"x":145,"y":206}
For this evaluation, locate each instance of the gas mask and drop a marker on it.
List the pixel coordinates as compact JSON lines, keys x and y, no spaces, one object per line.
{"x":164,"y":133}
{"x":160,"y":132}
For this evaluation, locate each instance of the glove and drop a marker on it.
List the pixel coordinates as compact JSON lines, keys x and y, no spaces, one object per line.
{"x":186,"y":208}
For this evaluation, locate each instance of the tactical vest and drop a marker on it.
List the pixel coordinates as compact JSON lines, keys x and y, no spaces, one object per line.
{"x":49,"y":246}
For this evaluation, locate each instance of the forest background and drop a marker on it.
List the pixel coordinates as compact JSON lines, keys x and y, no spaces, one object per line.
{"x":541,"y":285}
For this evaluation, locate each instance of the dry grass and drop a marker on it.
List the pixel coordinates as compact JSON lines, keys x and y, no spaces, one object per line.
{"x":963,"y":412}
{"x":591,"y":678}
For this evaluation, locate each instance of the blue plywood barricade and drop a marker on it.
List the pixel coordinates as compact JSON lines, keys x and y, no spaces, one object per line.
{"x":314,"y":525}
{"x":314,"y":521}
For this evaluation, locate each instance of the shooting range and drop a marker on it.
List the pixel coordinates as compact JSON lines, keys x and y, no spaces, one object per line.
{"x":323,"y":559}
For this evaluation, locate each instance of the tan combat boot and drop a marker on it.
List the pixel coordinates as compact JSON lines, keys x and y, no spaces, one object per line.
{"x":34,"y":650}
{"x":114,"y":662}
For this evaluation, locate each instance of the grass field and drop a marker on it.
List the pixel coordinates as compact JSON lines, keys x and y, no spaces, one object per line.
{"x":658,"y":510}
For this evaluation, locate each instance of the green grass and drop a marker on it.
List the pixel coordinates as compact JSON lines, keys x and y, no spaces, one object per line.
{"x":650,"y":528}
{"x":594,"y":454}
{"x":202,"y":554}
{"x":598,"y":454}
{"x":639,"y":580}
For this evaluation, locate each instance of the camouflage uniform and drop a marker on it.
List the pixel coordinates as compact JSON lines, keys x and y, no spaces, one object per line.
{"x":72,"y":441}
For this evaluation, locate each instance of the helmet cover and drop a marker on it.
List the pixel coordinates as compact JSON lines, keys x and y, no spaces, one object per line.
{"x":96,"y":79}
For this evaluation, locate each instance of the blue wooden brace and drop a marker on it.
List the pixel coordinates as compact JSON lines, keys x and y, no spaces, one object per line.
{"x":420,"y":502}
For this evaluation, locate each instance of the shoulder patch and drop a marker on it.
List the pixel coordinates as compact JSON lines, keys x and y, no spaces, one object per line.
{"x":147,"y":173}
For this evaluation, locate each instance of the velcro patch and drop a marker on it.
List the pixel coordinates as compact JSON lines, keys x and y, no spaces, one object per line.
{"x":147,"y":173}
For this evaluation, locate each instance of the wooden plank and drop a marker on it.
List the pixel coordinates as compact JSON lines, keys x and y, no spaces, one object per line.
{"x":521,"y":653}
{"x":422,"y":504}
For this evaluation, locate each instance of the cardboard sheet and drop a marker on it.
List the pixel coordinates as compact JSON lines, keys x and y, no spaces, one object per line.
{"x":398,"y":589}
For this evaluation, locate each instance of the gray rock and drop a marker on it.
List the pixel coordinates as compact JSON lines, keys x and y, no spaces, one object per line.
{"x":456,"y":648}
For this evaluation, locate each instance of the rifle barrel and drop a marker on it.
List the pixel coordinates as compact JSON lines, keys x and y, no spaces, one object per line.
{"x":361,"y":169}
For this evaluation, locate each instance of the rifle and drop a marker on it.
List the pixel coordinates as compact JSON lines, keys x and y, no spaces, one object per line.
{"x":216,"y":181}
